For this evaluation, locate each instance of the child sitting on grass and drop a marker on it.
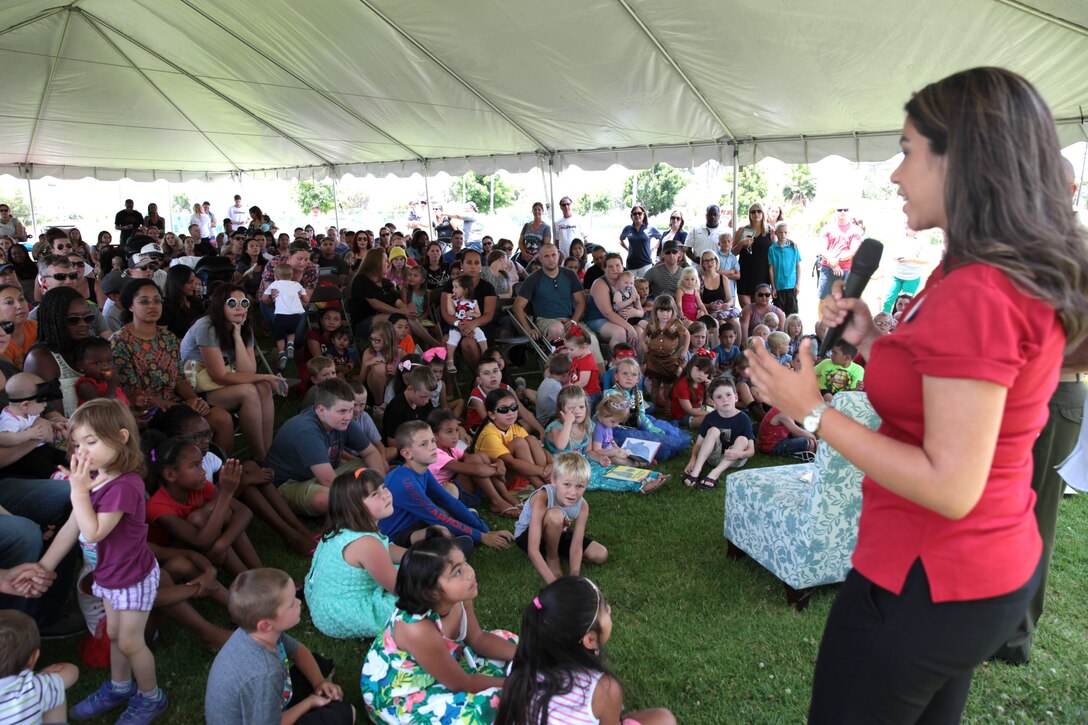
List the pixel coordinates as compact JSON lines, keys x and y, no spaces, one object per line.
{"x":264,"y":676}
{"x":559,"y":674}
{"x":186,"y":509}
{"x":26,"y":696}
{"x":420,"y":503}
{"x":362,"y":419}
{"x":637,"y":424}
{"x":488,"y":380}
{"x":779,"y":435}
{"x":727,"y":351}
{"x":350,"y":583}
{"x":468,"y":476}
{"x":778,"y":343}
{"x":555,"y":377}
{"x":413,"y":403}
{"x":321,"y":368}
{"x":504,"y":440}
{"x":725,"y":438}
{"x":553,"y":522}
{"x":690,"y":391}
{"x":21,"y":424}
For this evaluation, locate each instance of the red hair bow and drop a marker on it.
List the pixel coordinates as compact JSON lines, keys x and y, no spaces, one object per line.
{"x":575,"y":331}
{"x":705,"y":353}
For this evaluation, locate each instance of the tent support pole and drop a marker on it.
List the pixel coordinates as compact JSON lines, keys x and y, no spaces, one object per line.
{"x":493,"y":192}
{"x":551,"y":192}
{"x":736,"y":183}
{"x":34,"y":216}
{"x":427,"y":196}
{"x":1080,"y":186}
{"x":335,"y":207}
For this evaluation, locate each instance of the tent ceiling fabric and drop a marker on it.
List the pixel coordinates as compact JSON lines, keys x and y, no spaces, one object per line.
{"x":182,"y":89}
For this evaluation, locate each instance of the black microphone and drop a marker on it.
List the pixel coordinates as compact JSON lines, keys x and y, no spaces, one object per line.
{"x":862,"y":268}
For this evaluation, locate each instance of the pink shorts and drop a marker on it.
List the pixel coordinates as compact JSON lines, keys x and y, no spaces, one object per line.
{"x":139,"y":597}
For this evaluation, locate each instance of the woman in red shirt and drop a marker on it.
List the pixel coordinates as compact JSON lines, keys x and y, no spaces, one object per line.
{"x":948,"y":549}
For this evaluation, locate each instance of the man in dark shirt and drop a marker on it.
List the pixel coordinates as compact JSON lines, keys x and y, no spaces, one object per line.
{"x":127,"y":221}
{"x":596,"y":270}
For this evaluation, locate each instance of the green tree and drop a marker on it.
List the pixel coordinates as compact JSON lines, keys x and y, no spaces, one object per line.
{"x":876,"y":184}
{"x":751,"y":189}
{"x":657,"y":188}
{"x":18,"y":206}
{"x":313,"y":193}
{"x":599,"y":202}
{"x":478,"y":189}
{"x":181,"y":205}
{"x":801,"y":188}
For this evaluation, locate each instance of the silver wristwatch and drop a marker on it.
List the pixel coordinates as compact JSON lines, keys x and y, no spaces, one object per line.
{"x":811,"y":422}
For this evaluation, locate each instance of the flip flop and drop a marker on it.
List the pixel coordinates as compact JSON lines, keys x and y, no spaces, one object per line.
{"x":690,"y":481}
{"x":652,"y":484}
{"x":708,"y":484}
{"x":507,"y":512}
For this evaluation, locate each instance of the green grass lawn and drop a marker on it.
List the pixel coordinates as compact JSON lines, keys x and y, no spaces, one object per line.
{"x":711,"y":639}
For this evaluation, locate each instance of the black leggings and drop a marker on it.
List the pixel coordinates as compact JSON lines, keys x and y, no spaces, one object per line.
{"x":903,"y":659}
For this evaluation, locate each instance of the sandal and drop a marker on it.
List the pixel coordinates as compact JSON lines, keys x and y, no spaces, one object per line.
{"x":708,"y":483}
{"x":511,"y":512}
{"x":691,"y":481}
{"x":451,"y":368}
{"x":652,"y":484}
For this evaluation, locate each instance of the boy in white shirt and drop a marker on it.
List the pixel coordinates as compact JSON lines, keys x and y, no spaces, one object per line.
{"x":290,"y":299}
{"x":26,"y":697}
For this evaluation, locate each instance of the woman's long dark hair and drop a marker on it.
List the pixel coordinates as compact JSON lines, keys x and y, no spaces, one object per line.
{"x":216,"y":314}
{"x":550,"y":650}
{"x":53,"y":320}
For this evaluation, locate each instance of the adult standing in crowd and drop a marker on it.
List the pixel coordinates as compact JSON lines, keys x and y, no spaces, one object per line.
{"x":948,"y":553}
{"x":568,"y":228}
{"x":470,"y":223}
{"x":202,"y":221}
{"x":237,"y":213}
{"x":218,"y":349}
{"x":486,"y":297}
{"x":664,"y":278}
{"x":533,"y":234}
{"x":443,"y":225}
{"x":153,"y":219}
{"x":213,"y":222}
{"x":303,"y":271}
{"x":784,"y":258}
{"x":606,"y":323}
{"x":841,"y":239}
{"x":127,"y":221}
{"x":752,"y":245}
{"x":9,"y":225}
{"x":635,"y":239}
{"x":373,"y":297}
{"x":907,"y":273}
{"x":706,"y":236}
{"x":675,"y":232}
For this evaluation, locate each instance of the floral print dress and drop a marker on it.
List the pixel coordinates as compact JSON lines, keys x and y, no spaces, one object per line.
{"x":147,"y":366}
{"x":397,"y":690}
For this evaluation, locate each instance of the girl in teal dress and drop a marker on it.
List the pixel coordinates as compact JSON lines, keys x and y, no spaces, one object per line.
{"x":354,"y":567}
{"x":572,"y":432}
{"x":434,"y":621}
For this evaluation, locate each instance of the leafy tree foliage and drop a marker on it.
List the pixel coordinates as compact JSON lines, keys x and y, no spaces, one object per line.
{"x":657,"y":188}
{"x":309,"y":194}
{"x":801,"y":188}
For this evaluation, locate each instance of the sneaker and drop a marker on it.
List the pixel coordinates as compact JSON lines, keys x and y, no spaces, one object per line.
{"x":142,"y":710}
{"x":290,"y":349}
{"x":102,"y":700}
{"x":283,"y":361}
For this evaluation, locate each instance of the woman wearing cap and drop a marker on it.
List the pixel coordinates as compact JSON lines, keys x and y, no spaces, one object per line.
{"x":635,"y":238}
{"x":948,"y":551}
{"x":752,"y":245}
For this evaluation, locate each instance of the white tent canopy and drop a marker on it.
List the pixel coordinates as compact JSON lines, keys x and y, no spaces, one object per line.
{"x":183,"y":89}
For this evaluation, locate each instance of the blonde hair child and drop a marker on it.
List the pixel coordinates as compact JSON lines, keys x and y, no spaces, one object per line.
{"x":687,"y":296}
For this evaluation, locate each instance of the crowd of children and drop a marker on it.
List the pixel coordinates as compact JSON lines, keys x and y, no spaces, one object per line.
{"x":156,"y":505}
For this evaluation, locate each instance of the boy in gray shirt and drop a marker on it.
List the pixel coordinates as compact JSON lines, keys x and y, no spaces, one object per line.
{"x":557,"y":375}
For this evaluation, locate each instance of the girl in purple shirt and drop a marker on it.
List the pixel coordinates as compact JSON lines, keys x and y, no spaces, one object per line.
{"x":108,"y":517}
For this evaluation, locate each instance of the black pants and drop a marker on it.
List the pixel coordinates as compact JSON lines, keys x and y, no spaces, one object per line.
{"x":337,"y":712}
{"x":786,"y":300}
{"x":903,"y":659}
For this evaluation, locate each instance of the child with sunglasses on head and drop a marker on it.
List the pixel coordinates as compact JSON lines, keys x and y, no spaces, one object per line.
{"x":468,"y":476}
{"x":21,"y":424}
{"x":559,"y":673}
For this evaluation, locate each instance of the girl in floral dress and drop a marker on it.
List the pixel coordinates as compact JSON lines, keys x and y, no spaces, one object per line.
{"x":434,"y":617}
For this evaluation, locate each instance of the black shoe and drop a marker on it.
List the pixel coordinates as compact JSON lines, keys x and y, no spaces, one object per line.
{"x":68,"y":624}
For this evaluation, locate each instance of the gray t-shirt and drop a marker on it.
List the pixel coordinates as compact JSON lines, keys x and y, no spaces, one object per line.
{"x":546,"y":396}
{"x":203,"y":334}
{"x":548,"y":490}
{"x":662,"y":281}
{"x":113,"y":313}
{"x":248,"y":681}
{"x":302,"y":442}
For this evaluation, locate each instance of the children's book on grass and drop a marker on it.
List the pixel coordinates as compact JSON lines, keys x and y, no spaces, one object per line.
{"x":644,"y":449}
{"x":626,"y":473}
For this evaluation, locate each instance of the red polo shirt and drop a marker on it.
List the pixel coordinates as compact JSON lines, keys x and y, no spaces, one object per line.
{"x":971,"y":323}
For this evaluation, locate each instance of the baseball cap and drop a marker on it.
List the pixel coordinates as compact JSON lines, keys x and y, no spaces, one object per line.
{"x":112,"y":282}
{"x":151,"y":249}
{"x":5,"y":267}
{"x":670,"y":246}
{"x":141,"y":259}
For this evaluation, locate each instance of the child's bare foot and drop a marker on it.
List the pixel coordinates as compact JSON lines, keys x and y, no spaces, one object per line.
{"x":555,"y":566}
